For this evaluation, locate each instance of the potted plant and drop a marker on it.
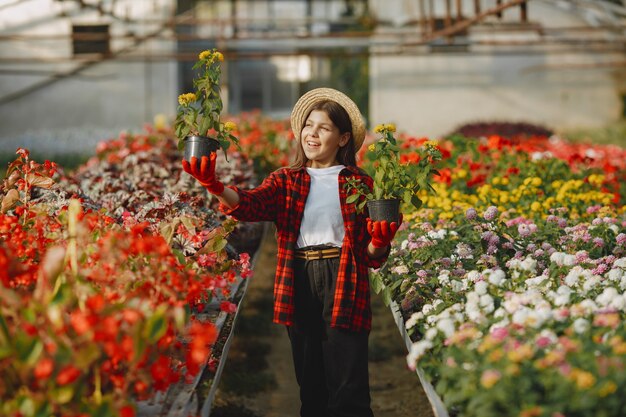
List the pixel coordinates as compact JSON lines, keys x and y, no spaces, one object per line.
{"x":394,"y":182}
{"x":198,"y":127}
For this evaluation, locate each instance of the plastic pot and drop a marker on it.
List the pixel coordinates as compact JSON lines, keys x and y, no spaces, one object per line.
{"x":384,"y":210}
{"x":199,"y":146}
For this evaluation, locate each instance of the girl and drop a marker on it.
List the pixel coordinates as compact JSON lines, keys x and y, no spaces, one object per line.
{"x":321,"y":290}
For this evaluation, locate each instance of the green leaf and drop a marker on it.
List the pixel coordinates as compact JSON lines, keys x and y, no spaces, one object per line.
{"x":386,"y":296}
{"x":353,"y":198}
{"x":63,"y":395}
{"x":156,"y":326}
{"x":416,"y":202}
{"x":376,"y":283}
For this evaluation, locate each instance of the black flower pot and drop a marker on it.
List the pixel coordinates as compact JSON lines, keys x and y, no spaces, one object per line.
{"x":199,"y":146}
{"x":384,"y":210}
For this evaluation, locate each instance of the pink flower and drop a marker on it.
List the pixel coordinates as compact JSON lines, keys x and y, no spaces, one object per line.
{"x":543,"y":341}
{"x":499,"y":333}
{"x":228,"y":307}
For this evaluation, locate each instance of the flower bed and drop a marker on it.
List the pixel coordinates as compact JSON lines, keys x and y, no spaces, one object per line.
{"x":103,"y":273}
{"x":511,"y":278}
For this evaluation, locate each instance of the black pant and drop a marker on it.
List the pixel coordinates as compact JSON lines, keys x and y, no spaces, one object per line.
{"x":331,"y":364}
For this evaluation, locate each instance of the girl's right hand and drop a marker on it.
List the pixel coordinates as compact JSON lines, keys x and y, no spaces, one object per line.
{"x":204,"y":172}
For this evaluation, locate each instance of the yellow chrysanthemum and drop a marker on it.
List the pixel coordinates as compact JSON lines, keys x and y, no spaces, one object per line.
{"x":205,"y":54}
{"x":390,"y":127}
{"x":230,"y":126}
{"x":186,"y":99}
{"x":219,"y":56}
{"x":379,"y":128}
{"x":372,"y":147}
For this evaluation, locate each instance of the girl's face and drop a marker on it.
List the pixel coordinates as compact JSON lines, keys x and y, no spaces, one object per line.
{"x":321,"y":140}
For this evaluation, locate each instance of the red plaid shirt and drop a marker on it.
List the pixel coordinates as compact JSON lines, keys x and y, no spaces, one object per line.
{"x":281,"y":199}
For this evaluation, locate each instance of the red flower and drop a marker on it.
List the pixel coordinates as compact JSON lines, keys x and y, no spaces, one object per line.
{"x":228,"y":307}
{"x":67,"y":375}
{"x":127,"y":411}
{"x":80,"y":322}
{"x":44,"y":368}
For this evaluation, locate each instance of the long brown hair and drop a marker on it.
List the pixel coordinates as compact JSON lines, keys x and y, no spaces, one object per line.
{"x":339,"y":116}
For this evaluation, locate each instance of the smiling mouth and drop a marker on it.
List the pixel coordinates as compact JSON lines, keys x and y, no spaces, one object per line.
{"x":313,"y":144}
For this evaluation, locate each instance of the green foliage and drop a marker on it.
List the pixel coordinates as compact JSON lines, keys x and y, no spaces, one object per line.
{"x":199,"y":112}
{"x":393,"y":179}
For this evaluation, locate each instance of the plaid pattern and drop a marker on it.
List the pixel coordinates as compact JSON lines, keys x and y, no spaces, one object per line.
{"x":281,"y":199}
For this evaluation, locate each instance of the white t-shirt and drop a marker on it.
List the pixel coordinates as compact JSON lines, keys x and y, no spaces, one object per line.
{"x":322,"y":223}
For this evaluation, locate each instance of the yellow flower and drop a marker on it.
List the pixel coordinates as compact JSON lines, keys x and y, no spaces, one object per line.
{"x":230,"y":126}
{"x":390,"y":127}
{"x":536,"y":181}
{"x":582,"y":379}
{"x":535,"y":206}
{"x":489,"y":378}
{"x":205,"y":54}
{"x":379,"y":128}
{"x":186,"y":99}
{"x":535,"y":411}
{"x":372,"y":147}
{"x":608,"y":388}
{"x":219,"y":56}
{"x":520,"y":354}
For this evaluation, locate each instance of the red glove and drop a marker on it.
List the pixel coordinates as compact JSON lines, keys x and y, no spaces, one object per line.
{"x":204,"y":173}
{"x":382,"y":233}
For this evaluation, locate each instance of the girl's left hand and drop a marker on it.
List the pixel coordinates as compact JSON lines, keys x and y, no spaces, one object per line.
{"x":382,"y":233}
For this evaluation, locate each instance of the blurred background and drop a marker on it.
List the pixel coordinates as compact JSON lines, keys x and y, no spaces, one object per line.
{"x":76,"y":72}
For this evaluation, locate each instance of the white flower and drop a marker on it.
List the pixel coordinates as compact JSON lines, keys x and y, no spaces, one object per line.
{"x":614,"y":228}
{"x":536,"y":281}
{"x":620,"y":263}
{"x":529,"y":264}
{"x":456,"y":285}
{"x":446,"y":326}
{"x":486,"y":302}
{"x":431,"y":333}
{"x":412,"y":321}
{"x":520,"y":316}
{"x":499,"y":313}
{"x":557,"y":258}
{"x":417,"y":351}
{"x":591,"y":282}
{"x":580,"y":325}
{"x":569,"y":260}
{"x":619,"y":302}
{"x":473,"y":275}
{"x":481,"y":287}
{"x":404,"y":244}
{"x":607,"y":297}
{"x":615,"y":274}
{"x":400,"y":270}
{"x":562,"y":295}
{"x":573,"y":276}
{"x":588,"y":305}
{"x":427,"y":308}
{"x":497,"y":277}
{"x":444,"y":279}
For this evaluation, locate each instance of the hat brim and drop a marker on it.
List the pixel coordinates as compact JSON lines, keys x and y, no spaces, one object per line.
{"x":308,"y":100}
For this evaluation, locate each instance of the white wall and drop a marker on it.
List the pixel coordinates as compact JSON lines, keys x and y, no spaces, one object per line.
{"x":431,"y":94}
{"x":74,"y":113}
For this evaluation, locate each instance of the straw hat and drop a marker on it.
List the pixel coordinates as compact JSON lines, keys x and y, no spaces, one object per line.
{"x":303,"y":107}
